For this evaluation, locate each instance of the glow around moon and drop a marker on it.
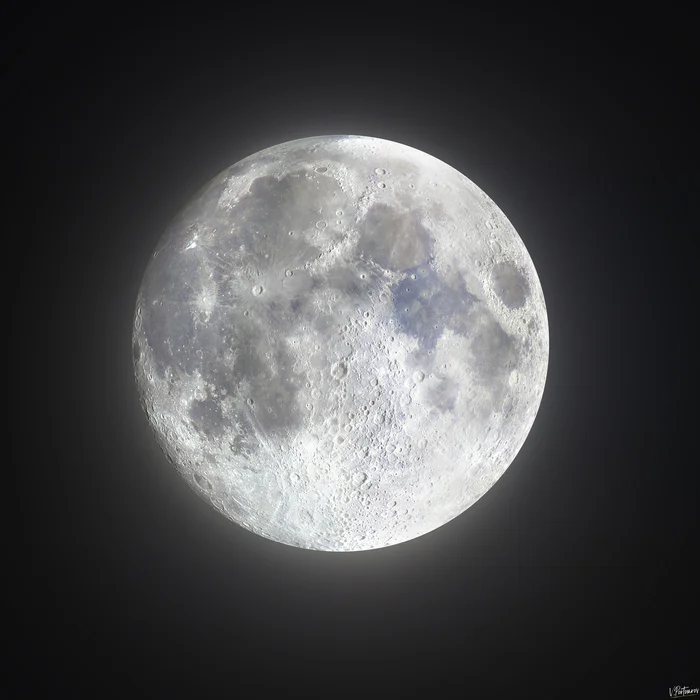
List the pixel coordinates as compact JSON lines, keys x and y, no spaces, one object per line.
{"x":341,"y":343}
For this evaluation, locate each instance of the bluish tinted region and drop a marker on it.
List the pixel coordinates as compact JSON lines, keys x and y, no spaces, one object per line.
{"x":426,"y":305}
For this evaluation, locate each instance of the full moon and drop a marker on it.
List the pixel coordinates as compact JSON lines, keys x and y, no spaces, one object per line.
{"x":341,"y":343}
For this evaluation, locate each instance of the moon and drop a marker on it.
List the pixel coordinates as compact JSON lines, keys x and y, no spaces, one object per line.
{"x":340,"y":343}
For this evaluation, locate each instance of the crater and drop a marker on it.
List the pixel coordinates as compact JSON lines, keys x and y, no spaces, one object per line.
{"x":509,"y":284}
{"x":339,"y":370}
{"x":201,"y":481}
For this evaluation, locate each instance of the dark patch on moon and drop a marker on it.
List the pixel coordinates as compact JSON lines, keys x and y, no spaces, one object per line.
{"x":270,"y":188}
{"x":441,"y":393}
{"x":170,"y":278}
{"x":346,"y":280}
{"x":170,"y":333}
{"x":182,"y":341}
{"x":274,"y":206}
{"x":275,"y":384}
{"x":326,"y":323}
{"x":509,"y":284}
{"x":206,"y":417}
{"x":244,"y":443}
{"x":393,"y":240}
{"x":168,"y":324}
{"x":185,"y":345}
{"x":495,"y":353}
{"x":425,"y":306}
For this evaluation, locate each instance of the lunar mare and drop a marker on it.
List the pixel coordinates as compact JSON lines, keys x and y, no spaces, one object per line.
{"x":341,"y":343}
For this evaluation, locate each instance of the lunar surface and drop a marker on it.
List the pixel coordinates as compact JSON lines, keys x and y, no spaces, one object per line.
{"x":341,"y":343}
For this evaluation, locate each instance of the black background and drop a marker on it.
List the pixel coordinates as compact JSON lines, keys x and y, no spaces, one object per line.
{"x":574,"y":575}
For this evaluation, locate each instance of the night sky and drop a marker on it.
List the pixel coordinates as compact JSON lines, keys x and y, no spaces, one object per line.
{"x":573,"y":576}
